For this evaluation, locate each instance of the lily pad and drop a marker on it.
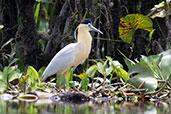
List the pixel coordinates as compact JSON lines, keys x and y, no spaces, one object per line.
{"x":28,"y":97}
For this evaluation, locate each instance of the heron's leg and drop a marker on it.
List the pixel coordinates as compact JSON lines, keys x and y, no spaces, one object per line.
{"x":64,"y":84}
{"x":60,"y":80}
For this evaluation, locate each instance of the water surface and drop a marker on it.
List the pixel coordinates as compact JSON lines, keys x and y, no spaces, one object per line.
{"x":49,"y":107}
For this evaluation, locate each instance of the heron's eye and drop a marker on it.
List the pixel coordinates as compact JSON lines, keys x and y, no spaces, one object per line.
{"x":89,"y":25}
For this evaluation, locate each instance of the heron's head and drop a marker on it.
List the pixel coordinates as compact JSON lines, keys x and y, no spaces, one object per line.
{"x":87,"y":24}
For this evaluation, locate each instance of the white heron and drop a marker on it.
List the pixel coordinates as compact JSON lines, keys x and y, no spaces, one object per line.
{"x":73,"y":54}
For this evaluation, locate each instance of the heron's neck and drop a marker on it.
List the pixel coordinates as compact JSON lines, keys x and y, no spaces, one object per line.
{"x":84,"y":36}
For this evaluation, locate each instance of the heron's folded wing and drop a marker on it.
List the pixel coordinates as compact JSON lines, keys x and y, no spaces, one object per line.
{"x":61,"y":61}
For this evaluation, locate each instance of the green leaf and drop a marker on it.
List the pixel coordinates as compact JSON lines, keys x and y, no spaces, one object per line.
{"x":13,"y":61}
{"x":165,"y":66}
{"x":118,"y":69}
{"x":143,"y":75}
{"x":84,"y":83}
{"x":116,"y":64}
{"x":73,"y":83}
{"x":5,"y":73}
{"x":151,"y":34}
{"x":109,"y":70}
{"x":152,"y":63}
{"x":41,"y":70}
{"x":14,"y":75}
{"x":32,"y":73}
{"x":91,"y":71}
{"x":3,"y":86}
{"x":68,"y":76}
{"x":122,"y":74}
{"x":81,"y":76}
{"x":24,"y":79}
{"x":130,"y":23}
{"x":151,"y":60}
{"x":128,"y":61}
{"x":37,"y":9}
{"x":85,"y":14}
{"x":100,"y":68}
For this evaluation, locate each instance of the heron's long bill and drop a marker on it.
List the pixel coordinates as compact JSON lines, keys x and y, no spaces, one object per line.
{"x":94,"y":29}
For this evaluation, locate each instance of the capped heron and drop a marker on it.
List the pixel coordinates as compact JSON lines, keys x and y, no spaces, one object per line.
{"x":73,"y":54}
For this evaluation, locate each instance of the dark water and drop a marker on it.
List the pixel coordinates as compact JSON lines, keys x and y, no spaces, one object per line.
{"x":49,"y":107}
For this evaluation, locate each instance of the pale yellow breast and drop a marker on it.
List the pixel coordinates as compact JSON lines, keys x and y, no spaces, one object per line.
{"x":82,"y":54}
{"x":83,"y":47}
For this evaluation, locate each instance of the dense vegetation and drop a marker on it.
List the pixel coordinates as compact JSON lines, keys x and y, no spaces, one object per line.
{"x":131,"y":58}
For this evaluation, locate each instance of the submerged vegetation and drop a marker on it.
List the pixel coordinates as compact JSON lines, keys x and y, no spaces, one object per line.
{"x":143,"y":77}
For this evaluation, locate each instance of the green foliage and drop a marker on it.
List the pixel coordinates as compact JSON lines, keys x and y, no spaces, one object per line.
{"x":84,"y":83}
{"x":118,"y":69}
{"x":42,"y":16}
{"x":32,"y":78}
{"x":3,"y":86}
{"x":8,"y":58}
{"x":33,"y":74}
{"x":91,"y":71}
{"x":130,"y":23}
{"x":108,"y":68}
{"x":36,"y":14}
{"x":143,"y":75}
{"x":149,"y":69}
{"x":8,"y":75}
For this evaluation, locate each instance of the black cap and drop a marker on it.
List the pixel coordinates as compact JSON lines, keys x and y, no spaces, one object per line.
{"x":86,"y":21}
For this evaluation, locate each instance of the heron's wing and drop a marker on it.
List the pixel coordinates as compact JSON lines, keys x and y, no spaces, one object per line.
{"x":61,"y":61}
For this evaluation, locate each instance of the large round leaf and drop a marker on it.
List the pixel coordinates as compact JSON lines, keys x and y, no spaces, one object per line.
{"x":142,"y":75}
{"x":165,"y":66}
{"x":130,"y":23}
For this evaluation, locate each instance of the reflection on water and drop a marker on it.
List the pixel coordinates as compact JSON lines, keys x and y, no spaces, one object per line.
{"x":49,"y":107}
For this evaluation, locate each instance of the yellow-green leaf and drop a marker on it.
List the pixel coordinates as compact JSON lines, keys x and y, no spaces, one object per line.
{"x":81,"y":76}
{"x":122,"y":74}
{"x":91,"y":71}
{"x":130,"y":23}
{"x":32,"y":73}
{"x":84,"y":83}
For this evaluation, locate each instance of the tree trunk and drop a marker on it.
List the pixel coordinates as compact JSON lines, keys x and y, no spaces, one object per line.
{"x":27,"y":36}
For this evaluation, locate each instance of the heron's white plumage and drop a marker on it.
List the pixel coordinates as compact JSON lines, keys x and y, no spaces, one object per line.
{"x":61,"y":61}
